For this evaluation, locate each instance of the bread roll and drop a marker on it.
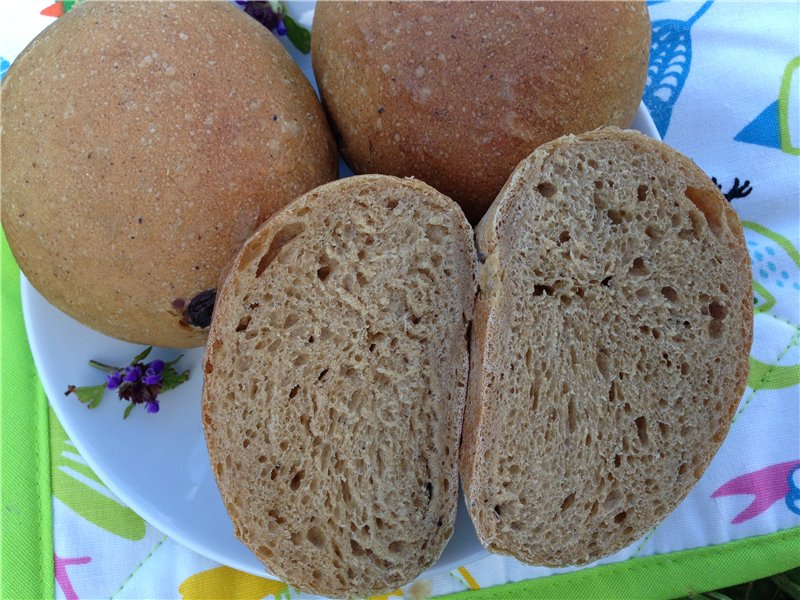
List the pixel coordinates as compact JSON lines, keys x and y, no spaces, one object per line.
{"x":609,"y":347}
{"x":457,"y":93}
{"x":143,"y":142}
{"x":334,"y":386}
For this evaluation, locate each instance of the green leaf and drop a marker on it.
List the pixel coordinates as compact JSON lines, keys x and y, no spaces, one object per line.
{"x":170,"y":379}
{"x":142,"y":355}
{"x":103,"y":366}
{"x":297,"y":34}
{"x":92,"y":395}
{"x":128,"y":410}
{"x":172,"y":362}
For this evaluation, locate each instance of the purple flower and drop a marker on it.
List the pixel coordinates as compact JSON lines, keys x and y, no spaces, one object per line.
{"x":156,"y":366}
{"x":152,"y":407}
{"x":281,"y":28}
{"x":113,"y":380}
{"x":132,"y":374}
{"x":151,"y":378}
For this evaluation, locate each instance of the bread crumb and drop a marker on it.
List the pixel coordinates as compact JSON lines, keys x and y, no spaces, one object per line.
{"x":419,"y":590}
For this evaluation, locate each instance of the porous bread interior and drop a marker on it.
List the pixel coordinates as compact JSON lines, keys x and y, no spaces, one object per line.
{"x":335,"y":384}
{"x":616,"y":351}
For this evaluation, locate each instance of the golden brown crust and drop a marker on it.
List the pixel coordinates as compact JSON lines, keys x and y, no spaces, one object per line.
{"x":495,"y":235}
{"x":136,"y":163}
{"x":457,"y":93}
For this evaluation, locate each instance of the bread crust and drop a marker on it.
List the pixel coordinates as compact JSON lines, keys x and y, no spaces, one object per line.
{"x":133,"y":170}
{"x":477,"y":435}
{"x":303,"y":565}
{"x":457,"y":93}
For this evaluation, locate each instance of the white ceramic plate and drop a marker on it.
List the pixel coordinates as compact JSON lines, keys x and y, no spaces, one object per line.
{"x":158,"y":464}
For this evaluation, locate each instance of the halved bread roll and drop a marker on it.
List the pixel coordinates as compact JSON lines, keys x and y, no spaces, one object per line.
{"x":335,"y":381}
{"x":609,"y":348}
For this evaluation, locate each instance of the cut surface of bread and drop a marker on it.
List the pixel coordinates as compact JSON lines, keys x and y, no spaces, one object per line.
{"x":609,"y":348}
{"x":335,"y":381}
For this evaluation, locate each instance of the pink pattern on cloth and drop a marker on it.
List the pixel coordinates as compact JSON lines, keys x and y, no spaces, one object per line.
{"x":62,"y":577}
{"x":768,"y":485}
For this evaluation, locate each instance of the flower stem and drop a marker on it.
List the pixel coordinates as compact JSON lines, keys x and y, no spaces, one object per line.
{"x":103,"y":366}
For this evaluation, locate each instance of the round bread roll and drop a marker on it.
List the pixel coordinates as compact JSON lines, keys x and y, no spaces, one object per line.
{"x":457,"y":93}
{"x":143,"y":142}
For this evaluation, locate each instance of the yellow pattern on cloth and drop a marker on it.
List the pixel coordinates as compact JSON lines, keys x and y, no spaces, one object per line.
{"x":224,"y":582}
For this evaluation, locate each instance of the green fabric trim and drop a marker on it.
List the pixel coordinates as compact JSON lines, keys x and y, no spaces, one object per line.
{"x":663,"y":576}
{"x":26,"y":563}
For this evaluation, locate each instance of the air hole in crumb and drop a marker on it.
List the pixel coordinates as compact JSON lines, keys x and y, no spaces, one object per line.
{"x":497,"y":509}
{"x":602,"y":363}
{"x":243,"y":323}
{"x":717,"y":311}
{"x":669,"y":293}
{"x":294,"y":391}
{"x":245,"y":443}
{"x":617,"y":460}
{"x":296,"y":480}
{"x":592,"y":163}
{"x":641,"y":429}
{"x":638,"y":267}
{"x":392,"y":203}
{"x":663,"y":428}
{"x":356,"y":548}
{"x":563,"y":237}
{"x":568,"y":501}
{"x":606,"y":281}
{"x":279,"y":240}
{"x":546,"y":189}
{"x":620,"y":517}
{"x":652,"y":232}
{"x":615,"y":216}
{"x":571,"y":419}
{"x":641,"y":193}
{"x":543,"y":290}
{"x":316,"y":537}
{"x":707,"y":201}
{"x":323,"y":272}
{"x":643,"y":293}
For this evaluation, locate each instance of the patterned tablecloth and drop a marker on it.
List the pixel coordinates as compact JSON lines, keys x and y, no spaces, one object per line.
{"x":724,"y":88}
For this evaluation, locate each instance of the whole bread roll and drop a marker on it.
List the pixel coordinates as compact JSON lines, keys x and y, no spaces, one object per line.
{"x":143,"y":142}
{"x":609,"y":347}
{"x":457,"y":93}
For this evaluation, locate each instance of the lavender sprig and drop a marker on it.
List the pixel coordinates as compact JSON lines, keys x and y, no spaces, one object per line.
{"x":274,"y":16}
{"x":138,"y":383}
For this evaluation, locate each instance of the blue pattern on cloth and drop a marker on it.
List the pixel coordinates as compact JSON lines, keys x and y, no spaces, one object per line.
{"x":763,"y":130}
{"x":670,"y":61}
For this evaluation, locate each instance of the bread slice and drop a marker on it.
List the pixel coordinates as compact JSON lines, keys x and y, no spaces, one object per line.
{"x":609,"y":347}
{"x":335,"y":381}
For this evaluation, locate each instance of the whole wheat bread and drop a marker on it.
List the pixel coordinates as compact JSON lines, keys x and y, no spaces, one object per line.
{"x":335,"y":380}
{"x":609,"y":348}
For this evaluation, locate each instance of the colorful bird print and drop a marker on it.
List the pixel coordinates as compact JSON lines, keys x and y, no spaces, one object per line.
{"x":767,"y":486}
